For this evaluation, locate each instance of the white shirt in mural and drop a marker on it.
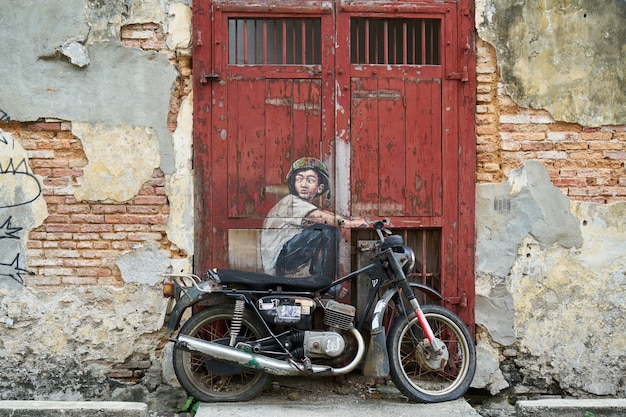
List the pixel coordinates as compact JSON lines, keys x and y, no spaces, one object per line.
{"x":283,"y":222}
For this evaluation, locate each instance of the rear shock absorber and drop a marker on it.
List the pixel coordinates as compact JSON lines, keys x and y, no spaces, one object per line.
{"x":235,"y":325}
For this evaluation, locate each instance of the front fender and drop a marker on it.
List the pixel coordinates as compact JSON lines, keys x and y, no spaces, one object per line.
{"x":381,"y":305}
{"x":426,"y":289}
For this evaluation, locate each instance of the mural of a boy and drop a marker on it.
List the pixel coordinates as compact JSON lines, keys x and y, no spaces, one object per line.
{"x":299,"y":238}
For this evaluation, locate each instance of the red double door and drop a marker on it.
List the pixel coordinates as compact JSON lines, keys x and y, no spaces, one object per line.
{"x":382,"y":93}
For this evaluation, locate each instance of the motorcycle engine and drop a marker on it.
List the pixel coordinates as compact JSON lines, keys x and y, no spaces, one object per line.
{"x":330,"y":343}
{"x":323,"y":344}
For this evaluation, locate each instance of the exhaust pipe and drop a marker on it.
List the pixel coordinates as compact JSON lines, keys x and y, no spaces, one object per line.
{"x":264,"y":363}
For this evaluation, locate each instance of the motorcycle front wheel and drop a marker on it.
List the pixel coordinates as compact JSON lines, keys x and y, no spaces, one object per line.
{"x":208,"y":380}
{"x":417,"y":371}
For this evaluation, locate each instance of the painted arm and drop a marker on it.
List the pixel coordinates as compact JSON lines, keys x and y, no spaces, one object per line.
{"x":328,"y":217}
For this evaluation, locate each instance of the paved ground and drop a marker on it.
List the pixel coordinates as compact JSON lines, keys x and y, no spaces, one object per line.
{"x":354,"y":397}
{"x":288,"y":399}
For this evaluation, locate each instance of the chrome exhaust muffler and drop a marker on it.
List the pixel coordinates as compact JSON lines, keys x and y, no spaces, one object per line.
{"x":264,"y":363}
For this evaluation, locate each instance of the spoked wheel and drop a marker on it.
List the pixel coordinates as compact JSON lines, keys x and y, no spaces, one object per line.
{"x":420,"y":373}
{"x":210,"y":380}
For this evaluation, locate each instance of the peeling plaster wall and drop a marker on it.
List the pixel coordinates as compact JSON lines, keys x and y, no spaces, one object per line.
{"x":64,"y":62}
{"x":568,"y":57}
{"x":121,"y":159}
{"x":549,"y":271}
{"x":80,"y":71}
{"x":550,"y":289}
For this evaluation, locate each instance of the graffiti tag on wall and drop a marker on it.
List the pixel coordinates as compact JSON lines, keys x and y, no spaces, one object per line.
{"x":4,"y":117}
{"x":19,"y":190}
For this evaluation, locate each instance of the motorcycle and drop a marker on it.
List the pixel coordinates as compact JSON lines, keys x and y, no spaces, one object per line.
{"x":247,"y":326}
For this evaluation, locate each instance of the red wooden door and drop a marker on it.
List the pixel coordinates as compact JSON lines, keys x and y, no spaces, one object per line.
{"x":404,"y":82}
{"x":271,"y":103}
{"x":380,"y":92}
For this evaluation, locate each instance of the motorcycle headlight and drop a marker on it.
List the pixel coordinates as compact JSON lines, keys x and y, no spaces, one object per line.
{"x":406,"y":257}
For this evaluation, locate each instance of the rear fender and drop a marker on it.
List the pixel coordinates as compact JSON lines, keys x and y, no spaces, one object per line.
{"x":188,"y":298}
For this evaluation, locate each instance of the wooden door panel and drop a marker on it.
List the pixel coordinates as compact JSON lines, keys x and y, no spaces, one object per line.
{"x":396,"y":153}
{"x":245,"y":147}
{"x":424,"y":148}
{"x":273,"y":121}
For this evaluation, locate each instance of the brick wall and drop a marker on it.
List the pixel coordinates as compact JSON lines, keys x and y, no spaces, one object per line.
{"x":79,"y":241}
{"x":587,"y":164}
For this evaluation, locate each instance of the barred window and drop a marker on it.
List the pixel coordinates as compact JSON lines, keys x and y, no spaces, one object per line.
{"x":395,"y":41}
{"x":279,"y":41}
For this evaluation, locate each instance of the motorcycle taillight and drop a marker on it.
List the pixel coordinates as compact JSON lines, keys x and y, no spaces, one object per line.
{"x":168,"y":289}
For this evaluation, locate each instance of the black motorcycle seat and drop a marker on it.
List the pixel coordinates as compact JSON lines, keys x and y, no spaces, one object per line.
{"x":260,"y":281}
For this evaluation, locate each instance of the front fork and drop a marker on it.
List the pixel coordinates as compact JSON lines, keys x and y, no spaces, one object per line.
{"x":434,"y":342}
{"x":379,"y":312}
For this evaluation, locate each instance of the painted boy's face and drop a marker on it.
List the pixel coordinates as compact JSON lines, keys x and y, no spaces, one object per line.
{"x":307,"y":184}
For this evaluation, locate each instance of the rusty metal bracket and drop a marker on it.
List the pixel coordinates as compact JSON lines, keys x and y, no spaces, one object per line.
{"x":461,"y":301}
{"x":461,"y":76}
{"x":206,"y":77}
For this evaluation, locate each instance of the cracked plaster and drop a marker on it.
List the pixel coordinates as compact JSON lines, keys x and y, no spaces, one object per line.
{"x":80,"y":71}
{"x":568,"y":57}
{"x":542,"y":261}
{"x":121,"y":159}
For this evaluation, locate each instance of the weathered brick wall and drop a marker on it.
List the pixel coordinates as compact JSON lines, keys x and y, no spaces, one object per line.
{"x":587,"y":164}
{"x":80,"y":240}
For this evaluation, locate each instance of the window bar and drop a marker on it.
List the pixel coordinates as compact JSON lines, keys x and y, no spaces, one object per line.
{"x":416,"y":43}
{"x":385,"y":42}
{"x":306,"y":38}
{"x":275,"y":33}
{"x":245,"y":41}
{"x":423,"y":42}
{"x":367,"y":41}
{"x":429,"y":40}
{"x":404,"y":43}
{"x":238,"y":31}
{"x":357,"y":47}
{"x":303,"y":42}
{"x":294,"y":39}
{"x":318,"y":51}
{"x":258,"y":37}
{"x":284,"y":46}
{"x":264,"y":46}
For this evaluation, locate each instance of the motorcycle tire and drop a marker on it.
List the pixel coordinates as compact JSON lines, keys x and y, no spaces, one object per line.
{"x":416,"y":371}
{"x":209,"y":380}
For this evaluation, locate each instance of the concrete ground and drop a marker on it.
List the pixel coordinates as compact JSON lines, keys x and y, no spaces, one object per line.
{"x":352,"y":407}
{"x":354,"y":397}
{"x":289,"y":397}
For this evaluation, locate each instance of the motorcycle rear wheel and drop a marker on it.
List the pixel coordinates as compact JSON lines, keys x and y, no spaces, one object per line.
{"x":200,"y":376}
{"x":414,"y":370}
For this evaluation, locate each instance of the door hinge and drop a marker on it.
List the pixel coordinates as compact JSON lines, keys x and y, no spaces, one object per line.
{"x":463,"y":76}
{"x":462,"y":300}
